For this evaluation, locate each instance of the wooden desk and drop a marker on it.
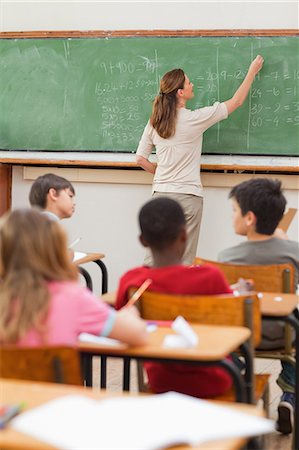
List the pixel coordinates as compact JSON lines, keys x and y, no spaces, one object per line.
{"x":276,"y":304}
{"x":35,"y":394}
{"x":97,"y":259}
{"x":215,"y":343}
{"x":280,"y":306}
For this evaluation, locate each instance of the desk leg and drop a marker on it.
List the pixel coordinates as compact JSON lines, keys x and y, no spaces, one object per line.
{"x":237,"y":379}
{"x":103,"y":268}
{"x":103,"y":372}
{"x":87,"y":277}
{"x":86,"y":364}
{"x":248,"y":376}
{"x":126,"y":374}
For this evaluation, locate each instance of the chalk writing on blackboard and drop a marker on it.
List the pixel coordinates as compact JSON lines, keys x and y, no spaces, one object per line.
{"x":81,"y":94}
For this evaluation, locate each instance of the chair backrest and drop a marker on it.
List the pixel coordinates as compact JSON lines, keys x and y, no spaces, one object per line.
{"x":58,"y":364}
{"x":266,"y":278}
{"x":226,"y":309}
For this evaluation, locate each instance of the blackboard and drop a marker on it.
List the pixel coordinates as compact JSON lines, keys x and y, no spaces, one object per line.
{"x":91,"y":93}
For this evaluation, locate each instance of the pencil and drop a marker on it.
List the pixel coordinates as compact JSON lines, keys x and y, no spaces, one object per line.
{"x":138,"y":293}
{"x":75,"y":242}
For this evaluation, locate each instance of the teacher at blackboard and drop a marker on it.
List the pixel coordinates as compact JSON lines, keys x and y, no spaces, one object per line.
{"x":177,"y":132}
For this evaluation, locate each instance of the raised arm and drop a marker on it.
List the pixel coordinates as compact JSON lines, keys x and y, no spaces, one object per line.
{"x":241,"y":93}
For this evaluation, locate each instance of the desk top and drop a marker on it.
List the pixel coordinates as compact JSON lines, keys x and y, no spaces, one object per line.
{"x":35,"y":394}
{"x":277,"y":303}
{"x":89,"y":257}
{"x":215,"y":343}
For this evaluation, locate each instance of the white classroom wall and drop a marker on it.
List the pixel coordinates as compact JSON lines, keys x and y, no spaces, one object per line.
{"x":106,"y":215}
{"x":122,"y":15}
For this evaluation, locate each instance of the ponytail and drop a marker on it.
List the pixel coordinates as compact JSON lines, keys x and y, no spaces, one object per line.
{"x":164,"y":113}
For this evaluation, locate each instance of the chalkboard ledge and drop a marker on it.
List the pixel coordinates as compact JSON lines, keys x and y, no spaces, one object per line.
{"x":127,"y":160}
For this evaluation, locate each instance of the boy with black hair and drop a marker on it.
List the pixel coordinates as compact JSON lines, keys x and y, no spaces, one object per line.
{"x":258,"y":206}
{"x":54,"y":194}
{"x":163,"y":230}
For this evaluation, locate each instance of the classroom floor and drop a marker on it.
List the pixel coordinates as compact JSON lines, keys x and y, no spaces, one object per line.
{"x":274,"y":441}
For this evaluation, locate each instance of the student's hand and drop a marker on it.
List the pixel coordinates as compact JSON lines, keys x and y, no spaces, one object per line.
{"x":256,"y":64}
{"x":129,"y":328}
{"x":242,"y":286}
{"x":133,"y":311}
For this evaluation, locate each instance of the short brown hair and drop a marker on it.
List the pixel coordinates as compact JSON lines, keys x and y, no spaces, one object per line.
{"x":41,"y":186}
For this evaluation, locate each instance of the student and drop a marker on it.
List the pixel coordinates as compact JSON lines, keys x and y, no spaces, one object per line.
{"x":41,"y":300}
{"x":163,"y":230}
{"x":258,"y":206}
{"x":177,"y":133}
{"x":54,"y":195}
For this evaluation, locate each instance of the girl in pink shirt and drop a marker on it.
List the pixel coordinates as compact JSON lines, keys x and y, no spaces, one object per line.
{"x":41,"y":299}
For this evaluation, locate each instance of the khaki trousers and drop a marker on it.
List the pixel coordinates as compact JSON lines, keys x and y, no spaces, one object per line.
{"x":192,"y":207}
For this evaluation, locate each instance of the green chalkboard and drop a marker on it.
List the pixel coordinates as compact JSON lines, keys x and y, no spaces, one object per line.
{"x":96,"y":93}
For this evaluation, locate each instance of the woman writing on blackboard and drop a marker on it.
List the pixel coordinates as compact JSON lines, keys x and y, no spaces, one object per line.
{"x":176,"y":132}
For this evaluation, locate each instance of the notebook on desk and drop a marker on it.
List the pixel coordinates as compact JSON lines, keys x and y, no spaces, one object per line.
{"x":78,"y":255}
{"x":143,"y":423}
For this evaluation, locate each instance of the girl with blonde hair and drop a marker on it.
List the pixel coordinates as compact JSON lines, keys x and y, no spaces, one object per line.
{"x":41,"y":299}
{"x":177,"y":132}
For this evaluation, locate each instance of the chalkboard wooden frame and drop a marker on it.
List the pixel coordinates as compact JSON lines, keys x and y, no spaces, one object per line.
{"x":135,"y":33}
{"x":150,"y":33}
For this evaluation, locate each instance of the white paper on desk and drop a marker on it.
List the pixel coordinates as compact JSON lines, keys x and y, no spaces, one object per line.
{"x":185,"y":337}
{"x":78,"y":255}
{"x":183,"y":328}
{"x":175,"y":341}
{"x":93,"y":339}
{"x":143,"y":423}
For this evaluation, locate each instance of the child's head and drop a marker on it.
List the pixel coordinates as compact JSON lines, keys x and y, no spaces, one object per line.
{"x":53,"y":193}
{"x":257,"y":203}
{"x":33,"y":251}
{"x":162,"y":223}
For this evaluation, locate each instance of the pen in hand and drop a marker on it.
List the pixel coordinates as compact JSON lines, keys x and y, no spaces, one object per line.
{"x":138,"y":293}
{"x":75,"y":242}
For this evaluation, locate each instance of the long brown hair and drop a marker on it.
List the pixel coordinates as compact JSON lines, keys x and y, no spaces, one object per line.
{"x":163,"y":118}
{"x":33,"y":251}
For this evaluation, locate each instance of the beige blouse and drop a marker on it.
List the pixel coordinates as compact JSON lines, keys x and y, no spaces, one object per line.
{"x":178,"y":158}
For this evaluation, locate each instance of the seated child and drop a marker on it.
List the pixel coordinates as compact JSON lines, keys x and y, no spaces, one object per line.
{"x":258,"y":206}
{"x":41,"y":300}
{"x":54,"y":195}
{"x":163,"y":230}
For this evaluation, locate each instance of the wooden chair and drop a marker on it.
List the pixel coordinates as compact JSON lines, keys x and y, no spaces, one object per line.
{"x":266,"y":278}
{"x":223,"y":309}
{"x":58,"y":364}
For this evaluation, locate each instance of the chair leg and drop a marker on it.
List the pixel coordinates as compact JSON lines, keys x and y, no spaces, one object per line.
{"x":266,"y":399}
{"x":288,"y":332}
{"x":140,"y":378}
